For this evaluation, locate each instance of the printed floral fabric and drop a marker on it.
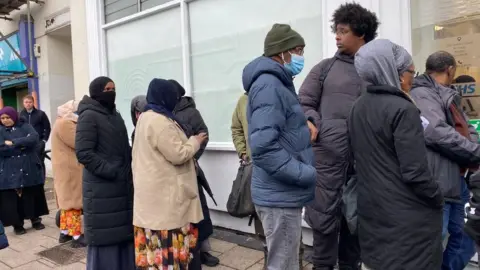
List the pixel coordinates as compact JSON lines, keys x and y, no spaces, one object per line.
{"x":165,"y":249}
{"x":71,"y":221}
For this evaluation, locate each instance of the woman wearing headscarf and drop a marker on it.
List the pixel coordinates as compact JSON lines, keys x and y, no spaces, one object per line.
{"x":67,"y":173}
{"x":399,"y":203}
{"x":166,"y":201}
{"x":21,"y":175}
{"x":137,"y":107}
{"x":102,"y":147}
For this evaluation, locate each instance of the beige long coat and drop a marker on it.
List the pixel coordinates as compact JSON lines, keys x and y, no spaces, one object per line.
{"x":67,"y":172}
{"x":166,"y":192}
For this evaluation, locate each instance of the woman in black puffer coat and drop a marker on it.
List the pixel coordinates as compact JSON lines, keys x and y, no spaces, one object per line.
{"x":102,"y":146}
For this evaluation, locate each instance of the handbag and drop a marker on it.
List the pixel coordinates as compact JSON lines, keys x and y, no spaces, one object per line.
{"x":3,"y":237}
{"x":240,"y":202}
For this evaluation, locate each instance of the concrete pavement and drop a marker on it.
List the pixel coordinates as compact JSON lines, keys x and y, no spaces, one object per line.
{"x":39,"y":250}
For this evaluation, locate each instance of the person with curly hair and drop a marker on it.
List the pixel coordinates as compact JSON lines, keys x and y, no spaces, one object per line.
{"x":327,"y":95}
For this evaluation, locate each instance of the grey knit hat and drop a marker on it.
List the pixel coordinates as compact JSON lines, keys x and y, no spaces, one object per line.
{"x":281,"y":38}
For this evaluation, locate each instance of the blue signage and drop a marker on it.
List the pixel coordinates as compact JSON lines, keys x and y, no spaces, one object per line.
{"x":9,"y":62}
{"x":467,"y":89}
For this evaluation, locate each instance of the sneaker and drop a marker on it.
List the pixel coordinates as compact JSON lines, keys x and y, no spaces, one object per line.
{"x":38,"y":226}
{"x":79,"y":243}
{"x":208,"y":259}
{"x":19,"y":230}
{"x":64,"y":238}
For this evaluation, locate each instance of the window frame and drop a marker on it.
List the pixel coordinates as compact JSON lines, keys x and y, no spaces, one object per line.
{"x":97,"y":47}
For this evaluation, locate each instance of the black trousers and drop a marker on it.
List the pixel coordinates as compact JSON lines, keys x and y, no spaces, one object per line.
{"x":340,"y":245}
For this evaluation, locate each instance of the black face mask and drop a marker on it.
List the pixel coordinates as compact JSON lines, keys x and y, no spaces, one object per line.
{"x":107,"y":99}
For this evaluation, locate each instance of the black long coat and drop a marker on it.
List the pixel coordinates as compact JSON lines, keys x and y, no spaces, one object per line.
{"x":399,"y":202}
{"x":192,"y":121}
{"x":102,"y":146}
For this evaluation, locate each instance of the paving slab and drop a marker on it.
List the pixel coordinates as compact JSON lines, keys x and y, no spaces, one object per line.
{"x":218,"y":267}
{"x":4,"y":266}
{"x":35,"y":265}
{"x":240,"y":257}
{"x":14,"y":258}
{"x":221,"y":246}
{"x":74,"y":266}
{"x":256,"y":266}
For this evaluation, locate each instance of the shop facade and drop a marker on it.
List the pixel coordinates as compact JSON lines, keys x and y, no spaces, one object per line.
{"x":204,"y":44}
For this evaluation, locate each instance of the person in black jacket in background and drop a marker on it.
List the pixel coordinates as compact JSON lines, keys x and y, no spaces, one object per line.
{"x":137,"y":107}
{"x":399,"y":203}
{"x":101,"y":145}
{"x":39,"y":120}
{"x":192,"y":120}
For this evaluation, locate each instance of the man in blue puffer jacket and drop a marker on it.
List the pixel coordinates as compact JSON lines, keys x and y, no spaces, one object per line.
{"x":283,"y":177}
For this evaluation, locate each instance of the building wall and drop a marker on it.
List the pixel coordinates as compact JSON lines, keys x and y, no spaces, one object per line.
{"x":55,"y":63}
{"x":79,"y":27}
{"x":205,"y":49}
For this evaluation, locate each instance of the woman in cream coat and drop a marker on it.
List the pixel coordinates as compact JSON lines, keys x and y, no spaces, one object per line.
{"x":67,"y":174}
{"x":166,"y":201}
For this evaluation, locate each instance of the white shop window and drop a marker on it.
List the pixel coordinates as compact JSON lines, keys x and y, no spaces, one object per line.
{"x":227,"y":35}
{"x":452,"y":26}
{"x":141,"y":50}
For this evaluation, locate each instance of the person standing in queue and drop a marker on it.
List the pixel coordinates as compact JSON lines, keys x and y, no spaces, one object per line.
{"x":38,"y":119}
{"x":102,"y":147}
{"x":137,"y":107}
{"x":452,"y":150}
{"x":67,"y":174}
{"x":191,"y":119}
{"x":399,"y":202}
{"x":327,"y":94}
{"x":283,"y":176}
{"x":22,"y":195}
{"x":167,"y":205}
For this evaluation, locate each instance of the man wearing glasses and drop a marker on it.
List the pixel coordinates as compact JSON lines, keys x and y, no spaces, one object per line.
{"x":327,"y":95}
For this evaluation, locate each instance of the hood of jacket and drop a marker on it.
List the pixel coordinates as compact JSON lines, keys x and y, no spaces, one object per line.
{"x":137,"y":105}
{"x":88,"y":103}
{"x":388,"y":90}
{"x":345,"y":57}
{"x":184,"y":103}
{"x":265,"y":65}
{"x":426,"y":81}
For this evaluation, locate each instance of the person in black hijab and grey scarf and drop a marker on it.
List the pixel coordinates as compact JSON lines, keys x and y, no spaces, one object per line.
{"x":137,"y":107}
{"x":399,"y":202}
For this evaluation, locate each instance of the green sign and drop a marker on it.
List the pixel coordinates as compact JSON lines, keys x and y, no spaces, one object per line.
{"x":476,"y":124}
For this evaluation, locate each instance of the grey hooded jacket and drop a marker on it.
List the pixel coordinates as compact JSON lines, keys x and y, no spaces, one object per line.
{"x":447,"y":149}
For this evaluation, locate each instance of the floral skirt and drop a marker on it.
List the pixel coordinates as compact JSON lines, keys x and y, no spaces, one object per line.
{"x":165,"y":249}
{"x":71,"y":221}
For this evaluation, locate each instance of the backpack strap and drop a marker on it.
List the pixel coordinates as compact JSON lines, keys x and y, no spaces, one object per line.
{"x":328,"y":65}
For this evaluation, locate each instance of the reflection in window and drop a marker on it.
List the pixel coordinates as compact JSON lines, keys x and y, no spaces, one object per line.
{"x":226,"y":35}
{"x":452,"y":26}
{"x":142,"y":50}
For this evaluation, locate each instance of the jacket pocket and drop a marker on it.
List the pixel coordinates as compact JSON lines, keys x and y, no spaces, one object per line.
{"x":186,"y":189}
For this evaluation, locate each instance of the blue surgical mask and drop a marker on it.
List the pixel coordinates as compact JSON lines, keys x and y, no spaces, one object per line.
{"x":296,"y":64}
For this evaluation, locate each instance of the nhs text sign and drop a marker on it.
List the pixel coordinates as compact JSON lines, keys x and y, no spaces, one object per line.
{"x":467,"y":89}
{"x":9,"y":61}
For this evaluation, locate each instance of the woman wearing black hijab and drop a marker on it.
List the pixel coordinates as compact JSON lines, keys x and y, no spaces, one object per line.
{"x":102,"y":146}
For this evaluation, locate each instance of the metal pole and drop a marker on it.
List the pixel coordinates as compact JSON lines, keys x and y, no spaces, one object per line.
{"x":30,"y":45}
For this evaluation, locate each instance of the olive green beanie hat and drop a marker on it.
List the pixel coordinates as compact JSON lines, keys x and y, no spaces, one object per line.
{"x":281,"y":38}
